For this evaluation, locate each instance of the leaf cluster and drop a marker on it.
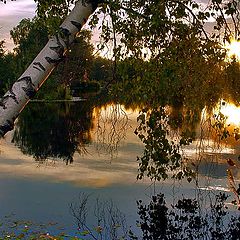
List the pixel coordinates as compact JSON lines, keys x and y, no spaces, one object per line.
{"x":52,"y":13}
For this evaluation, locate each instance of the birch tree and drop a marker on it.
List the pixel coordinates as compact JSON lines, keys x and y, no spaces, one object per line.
{"x":164,"y":28}
{"x":26,"y":86}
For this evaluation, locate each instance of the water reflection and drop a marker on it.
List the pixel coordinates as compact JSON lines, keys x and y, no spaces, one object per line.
{"x":112,"y":124}
{"x":54,"y":130}
{"x":89,"y":137}
{"x":101,"y":144}
{"x":231,"y":112}
{"x":65,"y":131}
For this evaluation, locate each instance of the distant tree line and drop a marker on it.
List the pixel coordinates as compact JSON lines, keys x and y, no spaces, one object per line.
{"x":80,"y":64}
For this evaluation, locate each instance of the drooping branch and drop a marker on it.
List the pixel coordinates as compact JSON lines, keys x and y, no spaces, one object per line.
{"x":12,"y":103}
{"x":227,"y":28}
{"x":195,"y":18}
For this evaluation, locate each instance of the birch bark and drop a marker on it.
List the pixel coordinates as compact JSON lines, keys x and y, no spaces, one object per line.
{"x":13,"y":102}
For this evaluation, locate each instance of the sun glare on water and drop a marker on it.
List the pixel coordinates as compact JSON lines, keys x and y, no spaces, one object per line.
{"x":229,"y":110}
{"x":232,"y":113}
{"x":233,"y":49}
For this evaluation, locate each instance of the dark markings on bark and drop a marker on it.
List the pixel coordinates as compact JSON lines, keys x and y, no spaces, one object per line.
{"x":3,"y":102}
{"x":39,"y":66}
{"x":78,"y":25}
{"x":4,"y":99}
{"x":12,"y":95}
{"x":65,"y":32}
{"x":54,"y":61}
{"x":8,"y":126}
{"x":59,"y":49}
{"x":29,"y":89}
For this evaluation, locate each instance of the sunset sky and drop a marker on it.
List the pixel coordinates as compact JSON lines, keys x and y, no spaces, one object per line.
{"x":11,"y":14}
{"x":14,"y":11}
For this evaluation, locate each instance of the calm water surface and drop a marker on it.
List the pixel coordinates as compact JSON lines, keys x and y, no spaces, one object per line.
{"x":58,"y":152}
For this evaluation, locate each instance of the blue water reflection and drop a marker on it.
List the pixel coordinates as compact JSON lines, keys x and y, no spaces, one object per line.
{"x":103,"y":166}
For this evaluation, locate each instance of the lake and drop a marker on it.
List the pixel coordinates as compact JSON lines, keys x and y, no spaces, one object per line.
{"x":60,"y":153}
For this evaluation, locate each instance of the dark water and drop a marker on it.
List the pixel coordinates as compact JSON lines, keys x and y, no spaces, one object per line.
{"x":60,"y":151}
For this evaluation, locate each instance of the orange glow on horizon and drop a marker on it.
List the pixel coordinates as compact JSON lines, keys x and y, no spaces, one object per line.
{"x":233,"y":49}
{"x":232,"y":113}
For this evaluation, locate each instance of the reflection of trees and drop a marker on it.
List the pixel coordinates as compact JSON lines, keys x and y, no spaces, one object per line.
{"x":110,"y":222}
{"x":187,"y":220}
{"x":215,"y":145}
{"x":166,"y":145}
{"x":53,"y":130}
{"x":161,"y":155}
{"x":112,"y":124}
{"x":59,"y":130}
{"x":164,"y":154}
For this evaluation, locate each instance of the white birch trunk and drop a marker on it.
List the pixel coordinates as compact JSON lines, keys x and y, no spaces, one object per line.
{"x":12,"y":103}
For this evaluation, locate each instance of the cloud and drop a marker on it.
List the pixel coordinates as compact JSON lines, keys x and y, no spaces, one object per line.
{"x":92,"y":170}
{"x":18,"y":8}
{"x":11,"y":14}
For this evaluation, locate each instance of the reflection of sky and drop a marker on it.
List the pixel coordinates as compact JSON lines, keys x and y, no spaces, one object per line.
{"x":91,"y":170}
{"x":44,"y":192}
{"x":100,"y":167}
{"x":95,"y":169}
